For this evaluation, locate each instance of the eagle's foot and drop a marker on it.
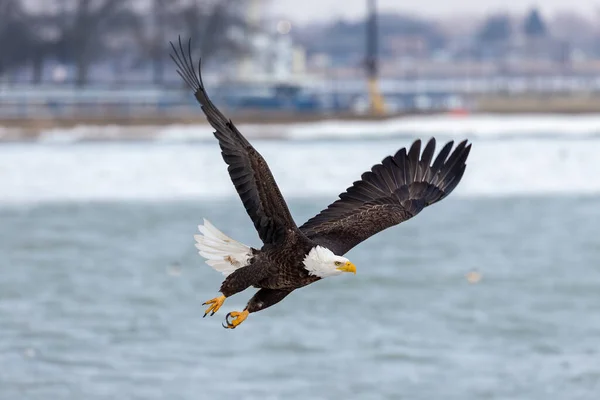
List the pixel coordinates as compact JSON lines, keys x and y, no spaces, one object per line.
{"x":238,"y":318}
{"x":215,"y":304}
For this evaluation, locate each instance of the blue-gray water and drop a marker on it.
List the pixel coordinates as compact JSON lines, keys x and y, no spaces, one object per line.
{"x":103,"y":301}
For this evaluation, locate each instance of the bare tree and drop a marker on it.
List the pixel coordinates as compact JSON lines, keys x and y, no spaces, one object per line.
{"x":225,"y":29}
{"x":87,"y":31}
{"x":218,"y":28}
{"x":80,"y":32}
{"x":149,"y":34}
{"x":75,"y":31}
{"x":15,"y":37}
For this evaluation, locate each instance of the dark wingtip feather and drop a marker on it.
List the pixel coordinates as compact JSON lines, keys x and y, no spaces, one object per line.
{"x":442,"y":156}
{"x":185,"y":65}
{"x":424,"y":170}
{"x":415,"y":147}
{"x":225,"y":130}
{"x":443,"y":175}
{"x":451,"y":172}
{"x":392,"y":192}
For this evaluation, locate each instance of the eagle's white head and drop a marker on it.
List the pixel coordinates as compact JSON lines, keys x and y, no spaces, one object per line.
{"x":321,"y":262}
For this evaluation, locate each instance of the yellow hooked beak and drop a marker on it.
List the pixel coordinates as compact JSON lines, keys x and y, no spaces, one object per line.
{"x":348,"y":267}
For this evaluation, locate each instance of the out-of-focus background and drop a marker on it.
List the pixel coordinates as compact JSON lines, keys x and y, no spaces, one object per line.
{"x":107,"y":166}
{"x":74,"y":62}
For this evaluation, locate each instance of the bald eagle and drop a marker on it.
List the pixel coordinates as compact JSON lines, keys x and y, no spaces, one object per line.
{"x":291,"y":257}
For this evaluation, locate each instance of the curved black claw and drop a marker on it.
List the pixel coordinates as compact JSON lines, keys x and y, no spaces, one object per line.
{"x":238,"y":318}
{"x":214,"y":305}
{"x":229,"y":324}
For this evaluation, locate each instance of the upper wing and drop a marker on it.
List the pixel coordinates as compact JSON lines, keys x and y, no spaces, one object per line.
{"x":392,"y":192}
{"x":249,"y":172}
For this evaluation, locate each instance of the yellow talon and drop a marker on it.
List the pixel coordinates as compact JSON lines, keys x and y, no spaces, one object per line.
{"x":238,"y":318}
{"x":215,"y":304}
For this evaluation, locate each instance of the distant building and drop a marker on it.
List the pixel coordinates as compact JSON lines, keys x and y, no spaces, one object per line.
{"x":273,"y":56}
{"x":407,"y":46}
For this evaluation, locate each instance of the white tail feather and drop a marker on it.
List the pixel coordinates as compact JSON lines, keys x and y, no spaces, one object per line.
{"x":221,"y":252}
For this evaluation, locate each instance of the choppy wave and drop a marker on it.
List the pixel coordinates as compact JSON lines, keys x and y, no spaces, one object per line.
{"x":475,"y":126}
{"x":152,"y":171}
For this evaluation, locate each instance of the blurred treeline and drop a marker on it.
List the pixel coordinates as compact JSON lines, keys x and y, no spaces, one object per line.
{"x":137,"y":32}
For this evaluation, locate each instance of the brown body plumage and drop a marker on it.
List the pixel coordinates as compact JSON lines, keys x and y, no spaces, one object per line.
{"x":392,"y":192}
{"x":276,"y":269}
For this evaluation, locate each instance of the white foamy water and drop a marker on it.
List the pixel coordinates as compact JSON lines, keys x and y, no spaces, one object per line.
{"x":481,"y":125}
{"x":153,"y":171}
{"x":104,"y":300}
{"x":447,"y":126}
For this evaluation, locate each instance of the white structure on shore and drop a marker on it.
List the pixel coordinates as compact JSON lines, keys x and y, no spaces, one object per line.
{"x":273,"y":56}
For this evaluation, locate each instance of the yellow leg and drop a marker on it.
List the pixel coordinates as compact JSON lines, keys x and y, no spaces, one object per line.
{"x":215,"y":304}
{"x":238,"y":318}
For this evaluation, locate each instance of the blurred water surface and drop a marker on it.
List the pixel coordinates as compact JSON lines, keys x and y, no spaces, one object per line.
{"x":102,"y":300}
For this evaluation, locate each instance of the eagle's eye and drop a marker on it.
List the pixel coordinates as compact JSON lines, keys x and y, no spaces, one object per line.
{"x":338,"y":263}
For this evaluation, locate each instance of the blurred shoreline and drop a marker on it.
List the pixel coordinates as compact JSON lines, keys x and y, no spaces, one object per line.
{"x":115,"y":126}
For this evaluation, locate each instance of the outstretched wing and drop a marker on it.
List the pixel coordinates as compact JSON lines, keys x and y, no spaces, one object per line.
{"x":392,"y":192}
{"x":249,"y":172}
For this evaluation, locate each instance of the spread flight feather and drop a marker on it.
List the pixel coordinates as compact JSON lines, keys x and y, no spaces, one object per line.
{"x":393,"y":191}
